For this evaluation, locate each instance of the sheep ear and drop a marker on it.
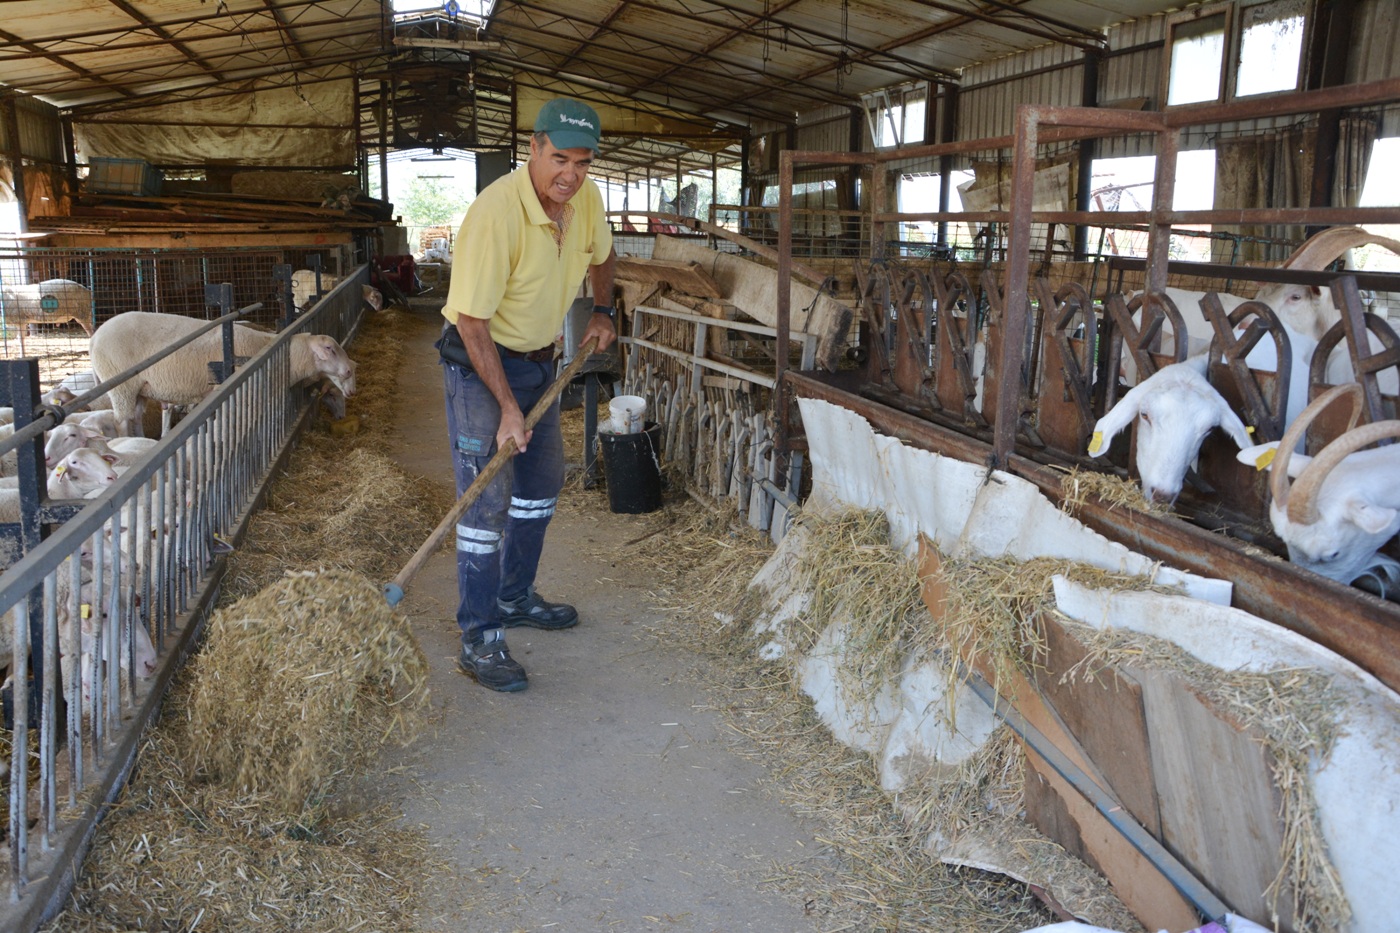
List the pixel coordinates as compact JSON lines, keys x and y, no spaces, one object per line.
{"x":110,"y":458}
{"x":321,"y":349}
{"x":1372,"y":519}
{"x":1109,"y":426}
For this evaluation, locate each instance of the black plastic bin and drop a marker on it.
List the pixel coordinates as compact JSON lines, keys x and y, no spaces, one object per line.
{"x":632,"y":464}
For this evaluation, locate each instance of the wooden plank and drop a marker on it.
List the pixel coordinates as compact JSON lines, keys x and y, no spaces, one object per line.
{"x":1106,"y":717}
{"x":753,"y":289}
{"x":686,"y":276}
{"x":1217,"y":797}
{"x":1067,"y":817}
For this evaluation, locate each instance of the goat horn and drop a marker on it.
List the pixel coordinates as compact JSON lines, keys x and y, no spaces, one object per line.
{"x":1302,"y":506}
{"x":1322,"y":249}
{"x":1278,"y":471}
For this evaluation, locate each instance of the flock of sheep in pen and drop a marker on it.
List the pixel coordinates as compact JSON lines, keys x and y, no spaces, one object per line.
{"x":1334,"y":511}
{"x":92,"y":447}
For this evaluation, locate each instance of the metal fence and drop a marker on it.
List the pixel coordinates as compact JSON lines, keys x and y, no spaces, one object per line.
{"x":51,"y":299}
{"x":131,"y":574}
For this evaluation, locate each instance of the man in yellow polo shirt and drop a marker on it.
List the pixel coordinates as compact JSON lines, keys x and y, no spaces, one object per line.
{"x":522,"y":252}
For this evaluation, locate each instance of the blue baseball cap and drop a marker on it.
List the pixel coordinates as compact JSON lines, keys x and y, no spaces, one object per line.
{"x":569,"y":124}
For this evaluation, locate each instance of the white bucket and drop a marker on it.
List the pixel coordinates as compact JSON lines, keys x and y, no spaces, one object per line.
{"x":628,"y":412}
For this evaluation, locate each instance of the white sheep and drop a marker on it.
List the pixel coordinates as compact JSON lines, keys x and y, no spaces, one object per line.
{"x":304,"y":287}
{"x":82,"y":474}
{"x":1175,"y":408}
{"x":69,"y":437}
{"x":183,"y":378}
{"x":83,"y":633}
{"x":25,"y":304}
{"x":1341,"y":505}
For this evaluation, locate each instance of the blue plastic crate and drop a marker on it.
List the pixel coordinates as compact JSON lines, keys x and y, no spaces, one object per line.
{"x":123,"y":176}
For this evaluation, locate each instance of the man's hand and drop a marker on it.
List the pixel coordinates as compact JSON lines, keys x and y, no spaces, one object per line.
{"x":513,"y":426}
{"x":600,"y":326}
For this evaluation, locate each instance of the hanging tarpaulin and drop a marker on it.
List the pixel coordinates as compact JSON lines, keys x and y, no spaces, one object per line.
{"x":622,"y":116}
{"x":990,"y":188}
{"x":312,"y":126}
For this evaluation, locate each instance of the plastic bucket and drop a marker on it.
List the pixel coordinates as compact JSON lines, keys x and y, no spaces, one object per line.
{"x":632,"y":464}
{"x":628,"y":412}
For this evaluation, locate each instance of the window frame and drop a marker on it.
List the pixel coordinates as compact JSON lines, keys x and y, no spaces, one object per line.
{"x":1233,"y":11}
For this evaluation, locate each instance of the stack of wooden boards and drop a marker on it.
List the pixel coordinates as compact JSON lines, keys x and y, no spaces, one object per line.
{"x":684,"y":275}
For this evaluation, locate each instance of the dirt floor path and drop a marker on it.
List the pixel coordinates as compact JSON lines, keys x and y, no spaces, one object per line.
{"x":608,"y":796}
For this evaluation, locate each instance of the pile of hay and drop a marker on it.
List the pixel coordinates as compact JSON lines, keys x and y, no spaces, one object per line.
{"x":1078,"y":485}
{"x":299,"y":684}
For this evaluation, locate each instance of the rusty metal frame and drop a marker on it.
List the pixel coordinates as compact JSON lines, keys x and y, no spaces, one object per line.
{"x":1368,"y":631}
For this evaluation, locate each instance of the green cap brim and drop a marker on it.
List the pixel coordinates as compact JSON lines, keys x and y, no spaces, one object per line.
{"x":572,"y":139}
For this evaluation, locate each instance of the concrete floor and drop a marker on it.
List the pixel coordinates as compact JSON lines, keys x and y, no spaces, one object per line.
{"x":605,"y":797}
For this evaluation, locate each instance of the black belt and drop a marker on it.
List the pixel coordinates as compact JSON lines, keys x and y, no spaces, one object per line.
{"x":542,"y":355}
{"x":450,"y":346}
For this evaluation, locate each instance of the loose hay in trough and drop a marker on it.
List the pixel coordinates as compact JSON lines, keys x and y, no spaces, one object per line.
{"x":873,"y":874}
{"x":1078,"y":485}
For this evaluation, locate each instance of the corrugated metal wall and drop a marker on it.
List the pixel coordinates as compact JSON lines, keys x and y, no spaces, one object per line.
{"x":40,"y":132}
{"x":1375,"y":34}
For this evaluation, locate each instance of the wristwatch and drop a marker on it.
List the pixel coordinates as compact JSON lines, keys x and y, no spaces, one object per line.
{"x":609,"y":310}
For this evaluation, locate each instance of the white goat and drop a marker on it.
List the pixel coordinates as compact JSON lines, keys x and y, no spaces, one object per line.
{"x":1175,"y":408}
{"x":1343,"y":504}
{"x":1306,"y":309}
{"x":183,"y":378}
{"x":304,"y":287}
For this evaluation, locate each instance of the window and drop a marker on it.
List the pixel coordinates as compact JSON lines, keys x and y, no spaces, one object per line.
{"x":897,"y":116}
{"x":1221,"y":52}
{"x":1271,"y":47}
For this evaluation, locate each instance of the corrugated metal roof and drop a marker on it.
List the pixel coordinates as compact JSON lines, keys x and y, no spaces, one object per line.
{"x":729,"y":64}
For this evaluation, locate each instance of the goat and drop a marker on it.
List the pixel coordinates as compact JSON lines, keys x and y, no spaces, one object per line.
{"x":1341,"y":505}
{"x":1176,"y":408}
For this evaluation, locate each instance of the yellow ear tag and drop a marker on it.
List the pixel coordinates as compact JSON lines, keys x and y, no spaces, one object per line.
{"x":1249,"y":428}
{"x":86,"y":611}
{"x":59,"y":470}
{"x":1266,"y":458}
{"x":1096,"y":442}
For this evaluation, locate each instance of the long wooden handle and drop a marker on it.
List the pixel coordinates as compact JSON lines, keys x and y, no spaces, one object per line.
{"x":393,"y":591}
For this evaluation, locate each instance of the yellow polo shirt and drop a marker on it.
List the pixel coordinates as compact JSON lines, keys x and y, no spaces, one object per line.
{"x":508,"y":269}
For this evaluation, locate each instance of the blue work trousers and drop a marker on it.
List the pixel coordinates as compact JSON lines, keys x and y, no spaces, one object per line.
{"x":500,"y":537}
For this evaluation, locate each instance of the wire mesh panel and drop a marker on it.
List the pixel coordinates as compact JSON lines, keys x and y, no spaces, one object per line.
{"x":52,"y":299}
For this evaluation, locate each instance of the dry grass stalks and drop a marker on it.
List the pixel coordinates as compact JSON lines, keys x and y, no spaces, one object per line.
{"x":298,"y":685}
{"x":1294,"y":713}
{"x":1078,"y":485}
{"x":874,"y":874}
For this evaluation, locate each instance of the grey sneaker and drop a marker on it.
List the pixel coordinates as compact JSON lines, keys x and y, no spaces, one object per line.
{"x":536,"y":612}
{"x":490,"y":664}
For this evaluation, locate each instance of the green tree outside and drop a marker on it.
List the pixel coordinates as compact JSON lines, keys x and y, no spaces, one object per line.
{"x":429,"y":202}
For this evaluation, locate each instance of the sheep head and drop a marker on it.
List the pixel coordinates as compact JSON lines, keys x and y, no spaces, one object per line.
{"x":333,"y":363}
{"x":1337,"y":510}
{"x":1175,"y":408}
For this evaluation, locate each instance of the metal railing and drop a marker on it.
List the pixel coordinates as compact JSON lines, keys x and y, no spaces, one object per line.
{"x":143,"y":561}
{"x":725,"y":442}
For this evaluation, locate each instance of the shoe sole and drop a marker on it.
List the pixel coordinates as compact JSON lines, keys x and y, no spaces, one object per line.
{"x":527,"y":622}
{"x":514,"y":687}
